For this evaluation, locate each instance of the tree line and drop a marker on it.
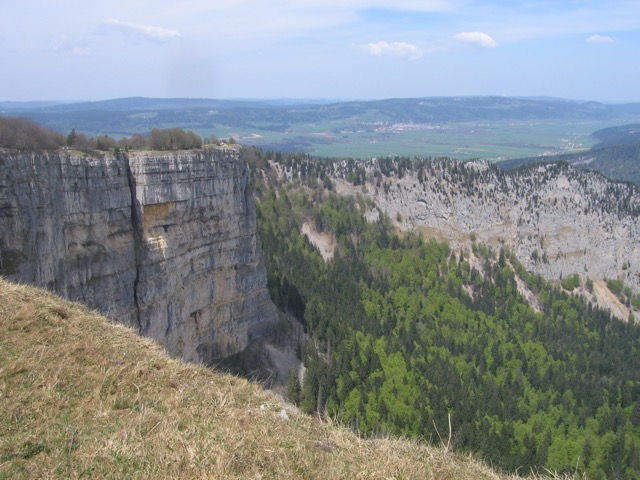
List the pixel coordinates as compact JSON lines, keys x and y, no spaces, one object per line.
{"x":25,"y":134}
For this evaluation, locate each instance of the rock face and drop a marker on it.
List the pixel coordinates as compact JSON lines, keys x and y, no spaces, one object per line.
{"x":162,"y":242}
{"x":556,"y":219}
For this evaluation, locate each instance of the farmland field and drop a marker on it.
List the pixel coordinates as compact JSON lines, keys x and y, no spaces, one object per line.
{"x":494,"y":140}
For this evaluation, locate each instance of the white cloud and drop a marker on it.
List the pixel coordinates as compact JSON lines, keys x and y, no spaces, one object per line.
{"x":396,"y":49}
{"x":600,"y":39}
{"x":478,"y":39}
{"x":150,"y":32}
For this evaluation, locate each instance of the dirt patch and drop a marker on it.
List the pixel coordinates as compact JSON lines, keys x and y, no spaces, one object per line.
{"x":153,"y":214}
{"x":531,"y":297}
{"x":607,"y":299}
{"x":325,"y":242}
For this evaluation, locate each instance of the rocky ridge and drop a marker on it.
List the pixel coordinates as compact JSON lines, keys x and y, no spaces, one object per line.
{"x":164,"y":242}
{"x":557,"y":220}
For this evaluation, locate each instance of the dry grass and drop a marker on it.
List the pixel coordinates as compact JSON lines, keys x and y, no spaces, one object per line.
{"x":80,"y":397}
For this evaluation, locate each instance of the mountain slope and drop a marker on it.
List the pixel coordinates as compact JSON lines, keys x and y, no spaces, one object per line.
{"x":557,"y":220}
{"x":409,"y":334}
{"x":83,"y":397}
{"x":617,"y":162}
{"x":616,"y":156}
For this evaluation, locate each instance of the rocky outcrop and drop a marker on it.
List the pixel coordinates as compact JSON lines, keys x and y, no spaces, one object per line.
{"x":556,"y":219}
{"x":164,"y":242}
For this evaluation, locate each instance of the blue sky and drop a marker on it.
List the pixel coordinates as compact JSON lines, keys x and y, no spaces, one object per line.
{"x":335,"y":49}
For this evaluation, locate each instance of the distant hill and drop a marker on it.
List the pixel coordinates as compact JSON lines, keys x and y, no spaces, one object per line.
{"x":82,"y":397}
{"x":614,"y":136}
{"x":617,"y":155}
{"x":462,"y":127}
{"x":20,"y":106}
{"x":133,"y":104}
{"x":429,"y":109}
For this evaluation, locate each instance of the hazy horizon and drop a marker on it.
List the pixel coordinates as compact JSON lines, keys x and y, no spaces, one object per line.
{"x":275,"y":101}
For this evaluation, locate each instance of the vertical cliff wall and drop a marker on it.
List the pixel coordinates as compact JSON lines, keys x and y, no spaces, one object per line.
{"x":162,"y":242}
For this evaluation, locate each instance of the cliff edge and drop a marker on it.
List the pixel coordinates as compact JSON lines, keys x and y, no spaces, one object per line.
{"x":162,"y":241}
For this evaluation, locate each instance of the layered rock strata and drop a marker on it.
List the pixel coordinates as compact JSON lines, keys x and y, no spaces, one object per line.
{"x":558,"y":220}
{"x":164,"y":242}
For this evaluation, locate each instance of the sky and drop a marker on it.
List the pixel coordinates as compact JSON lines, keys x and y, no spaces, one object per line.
{"x":76,"y":50}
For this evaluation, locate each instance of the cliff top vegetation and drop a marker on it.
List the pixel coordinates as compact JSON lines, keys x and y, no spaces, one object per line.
{"x":25,"y":134}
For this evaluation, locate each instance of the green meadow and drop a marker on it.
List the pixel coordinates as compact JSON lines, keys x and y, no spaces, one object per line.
{"x":494,"y":140}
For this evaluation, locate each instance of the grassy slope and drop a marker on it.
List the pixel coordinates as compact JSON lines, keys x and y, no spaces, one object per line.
{"x":82,"y":397}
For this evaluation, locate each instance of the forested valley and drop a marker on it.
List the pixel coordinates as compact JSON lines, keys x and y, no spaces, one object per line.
{"x":409,"y":337}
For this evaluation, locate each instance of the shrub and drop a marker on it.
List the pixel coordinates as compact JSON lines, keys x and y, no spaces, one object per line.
{"x":25,"y":134}
{"x":173,"y":139}
{"x":571,"y":282}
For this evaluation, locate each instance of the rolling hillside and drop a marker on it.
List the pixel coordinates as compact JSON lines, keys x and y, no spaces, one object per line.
{"x":616,"y":155}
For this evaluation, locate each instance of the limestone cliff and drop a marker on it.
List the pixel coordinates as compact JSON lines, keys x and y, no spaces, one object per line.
{"x":165,"y":242}
{"x":556,"y":219}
